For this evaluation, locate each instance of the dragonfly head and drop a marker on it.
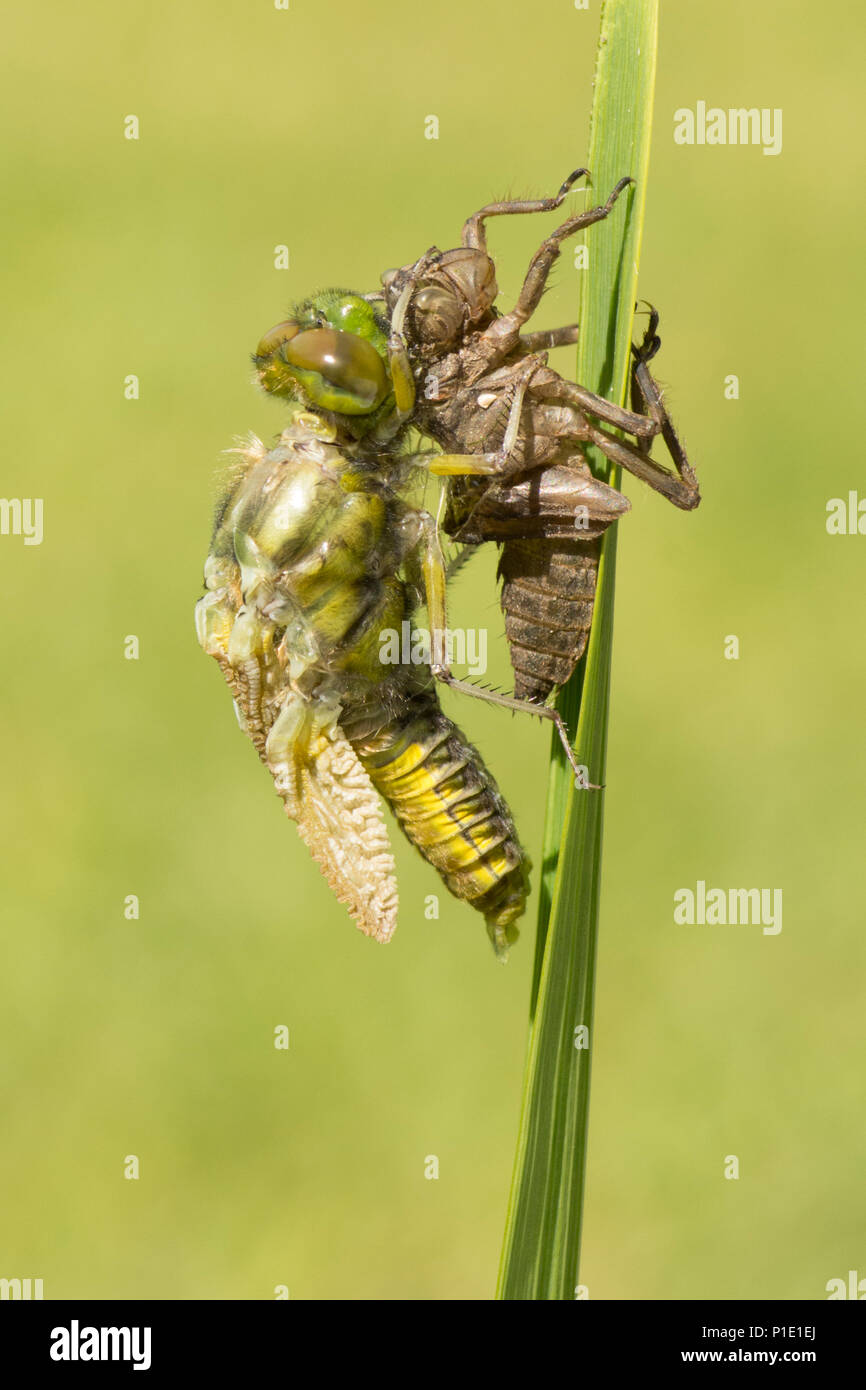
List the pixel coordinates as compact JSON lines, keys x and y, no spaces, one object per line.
{"x":445,"y":292}
{"x":331,"y":354}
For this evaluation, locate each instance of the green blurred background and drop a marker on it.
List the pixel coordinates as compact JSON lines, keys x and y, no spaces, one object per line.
{"x":155,"y":1037}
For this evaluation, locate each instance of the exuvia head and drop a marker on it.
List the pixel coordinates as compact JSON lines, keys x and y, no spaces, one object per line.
{"x":331,"y":354}
{"x":441,"y":295}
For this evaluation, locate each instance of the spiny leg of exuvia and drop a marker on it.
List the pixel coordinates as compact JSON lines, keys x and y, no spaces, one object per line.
{"x":477,"y":370}
{"x":315,"y":552}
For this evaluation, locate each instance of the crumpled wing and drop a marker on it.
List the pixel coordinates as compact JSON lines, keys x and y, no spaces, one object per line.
{"x":324,"y":787}
{"x":337,"y":810}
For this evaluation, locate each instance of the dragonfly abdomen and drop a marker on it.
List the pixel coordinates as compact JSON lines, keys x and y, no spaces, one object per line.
{"x":548,"y":594}
{"x":448,"y":805}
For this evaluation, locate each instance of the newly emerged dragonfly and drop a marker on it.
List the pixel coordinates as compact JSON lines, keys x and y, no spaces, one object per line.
{"x":484,"y":390}
{"x":315,"y":552}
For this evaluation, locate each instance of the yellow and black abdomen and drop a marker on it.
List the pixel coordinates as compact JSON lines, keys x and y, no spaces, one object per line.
{"x":446,"y":802}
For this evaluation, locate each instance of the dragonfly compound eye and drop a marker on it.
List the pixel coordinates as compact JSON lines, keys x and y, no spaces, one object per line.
{"x":338,"y":371}
{"x":275,"y":337}
{"x":437,"y":314}
{"x":472,"y":275}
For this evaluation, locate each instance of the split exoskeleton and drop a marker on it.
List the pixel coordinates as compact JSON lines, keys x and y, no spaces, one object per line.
{"x":513,"y":433}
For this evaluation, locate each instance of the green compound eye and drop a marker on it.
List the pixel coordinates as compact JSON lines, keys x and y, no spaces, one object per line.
{"x":275,"y":337}
{"x":338,"y":371}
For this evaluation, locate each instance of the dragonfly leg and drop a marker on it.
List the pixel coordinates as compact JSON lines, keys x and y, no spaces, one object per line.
{"x":542,"y":263}
{"x":494,"y":463}
{"x":681,"y":487}
{"x":399,"y":365}
{"x":402,"y":379}
{"x":399,"y":362}
{"x":642,"y":424}
{"x":474,"y":232}
{"x":646,"y":395}
{"x":550,"y":337}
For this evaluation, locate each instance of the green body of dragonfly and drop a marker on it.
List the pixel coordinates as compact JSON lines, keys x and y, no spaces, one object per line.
{"x":315,"y":553}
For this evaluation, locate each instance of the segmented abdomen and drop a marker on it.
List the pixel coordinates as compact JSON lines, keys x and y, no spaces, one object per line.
{"x":548,"y":594}
{"x":448,"y":805}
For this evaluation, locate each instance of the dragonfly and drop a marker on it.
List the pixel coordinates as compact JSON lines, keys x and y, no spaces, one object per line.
{"x":316,"y":550}
{"x":483,"y":390}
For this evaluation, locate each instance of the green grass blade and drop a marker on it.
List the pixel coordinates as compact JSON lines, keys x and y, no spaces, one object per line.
{"x":543,"y":1228}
